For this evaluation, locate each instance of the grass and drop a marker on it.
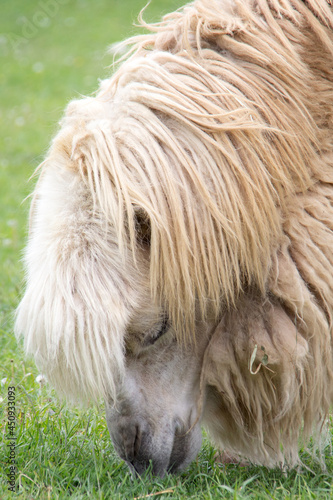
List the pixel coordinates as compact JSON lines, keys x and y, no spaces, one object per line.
{"x":47,"y":58}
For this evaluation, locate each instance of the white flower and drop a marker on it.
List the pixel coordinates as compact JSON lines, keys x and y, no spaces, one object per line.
{"x":40,"y":379}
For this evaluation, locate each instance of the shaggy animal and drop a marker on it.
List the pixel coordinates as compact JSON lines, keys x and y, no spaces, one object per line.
{"x":180,"y":258}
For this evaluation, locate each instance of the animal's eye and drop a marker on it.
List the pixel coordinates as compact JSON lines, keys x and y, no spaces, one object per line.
{"x":142,"y":227}
{"x":152,"y":338}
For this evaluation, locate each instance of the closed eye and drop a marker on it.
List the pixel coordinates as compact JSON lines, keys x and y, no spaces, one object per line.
{"x":153,"y":337}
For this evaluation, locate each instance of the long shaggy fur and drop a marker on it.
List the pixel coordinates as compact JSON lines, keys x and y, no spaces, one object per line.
{"x":217,"y":132}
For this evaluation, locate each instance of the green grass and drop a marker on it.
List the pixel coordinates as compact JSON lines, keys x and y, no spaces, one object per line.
{"x":62,"y":452}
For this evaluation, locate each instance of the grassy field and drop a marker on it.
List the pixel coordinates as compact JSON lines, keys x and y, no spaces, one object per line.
{"x":50,"y":52}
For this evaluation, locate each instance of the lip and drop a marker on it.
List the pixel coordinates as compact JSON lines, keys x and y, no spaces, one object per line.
{"x":171,"y":451}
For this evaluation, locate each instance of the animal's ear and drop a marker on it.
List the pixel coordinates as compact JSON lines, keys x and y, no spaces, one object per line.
{"x":255,"y":363}
{"x":142,"y":226}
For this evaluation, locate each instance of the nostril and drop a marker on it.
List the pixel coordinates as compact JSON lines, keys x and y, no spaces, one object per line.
{"x":127,"y":439}
{"x":137,"y":440}
{"x":178,"y":426}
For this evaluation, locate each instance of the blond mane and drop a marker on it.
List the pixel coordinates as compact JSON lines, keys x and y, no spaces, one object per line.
{"x":212,"y":129}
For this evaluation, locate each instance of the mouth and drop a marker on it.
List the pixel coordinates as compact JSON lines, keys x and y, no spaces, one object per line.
{"x":166,"y":453}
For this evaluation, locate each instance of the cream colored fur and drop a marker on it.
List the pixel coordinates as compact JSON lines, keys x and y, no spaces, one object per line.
{"x":216,"y":134}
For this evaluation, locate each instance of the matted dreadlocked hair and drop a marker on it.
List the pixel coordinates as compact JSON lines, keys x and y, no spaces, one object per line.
{"x":216,"y":133}
{"x":212,"y":127}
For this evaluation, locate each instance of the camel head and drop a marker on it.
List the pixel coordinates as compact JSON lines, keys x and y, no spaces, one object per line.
{"x":156,"y":419}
